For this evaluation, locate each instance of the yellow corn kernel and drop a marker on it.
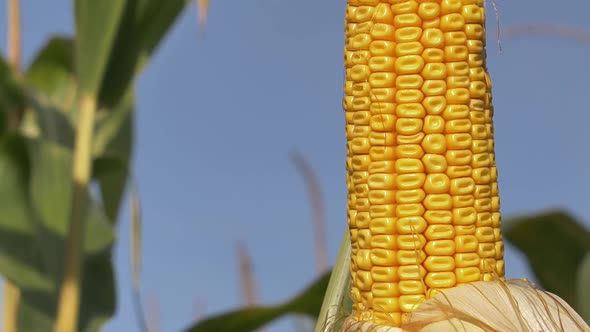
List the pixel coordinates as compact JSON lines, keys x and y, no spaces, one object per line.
{"x":434,"y":163}
{"x":410,"y":48}
{"x":409,"y":196}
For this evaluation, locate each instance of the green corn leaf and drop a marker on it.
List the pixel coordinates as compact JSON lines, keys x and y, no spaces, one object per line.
{"x":337,"y":301}
{"x":144,"y":24}
{"x":98,"y":302}
{"x":307,"y":302}
{"x":97,"y":23}
{"x":12,"y":93}
{"x":20,"y":255}
{"x":554,"y":243}
{"x":47,"y":190}
{"x":53,"y":73}
{"x":583,"y":288}
{"x":54,"y":114}
{"x":113,"y":145}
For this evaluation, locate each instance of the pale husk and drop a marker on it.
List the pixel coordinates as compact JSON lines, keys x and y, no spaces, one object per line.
{"x":515,"y":305}
{"x":350,"y":325}
{"x":486,"y":306}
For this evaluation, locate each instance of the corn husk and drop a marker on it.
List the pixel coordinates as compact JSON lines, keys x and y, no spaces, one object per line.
{"x":486,"y":306}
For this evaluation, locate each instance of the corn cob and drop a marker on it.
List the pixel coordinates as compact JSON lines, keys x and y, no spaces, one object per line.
{"x":423,"y":207}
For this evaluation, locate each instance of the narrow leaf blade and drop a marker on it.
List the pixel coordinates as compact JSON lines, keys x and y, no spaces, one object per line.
{"x":97,"y":23}
{"x":583,"y":288}
{"x":337,"y":299}
{"x":144,"y":25}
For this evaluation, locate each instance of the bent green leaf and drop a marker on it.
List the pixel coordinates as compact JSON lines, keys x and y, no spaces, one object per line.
{"x":307,"y":302}
{"x":52,"y":72}
{"x":555,"y":244}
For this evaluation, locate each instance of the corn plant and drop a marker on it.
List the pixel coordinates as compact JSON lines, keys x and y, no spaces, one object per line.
{"x":67,"y":124}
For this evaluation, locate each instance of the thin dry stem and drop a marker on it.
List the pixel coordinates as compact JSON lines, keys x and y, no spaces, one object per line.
{"x":249,"y":290}
{"x":202,"y":7}
{"x":135,"y":237}
{"x":14,"y":33}
{"x":14,"y":51}
{"x":136,"y":257}
{"x":317,"y":206}
{"x":548,"y":30}
{"x":153,"y":314}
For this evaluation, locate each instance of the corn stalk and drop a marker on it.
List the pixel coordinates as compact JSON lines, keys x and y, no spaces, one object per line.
{"x":69,"y":300}
{"x":11,"y":291}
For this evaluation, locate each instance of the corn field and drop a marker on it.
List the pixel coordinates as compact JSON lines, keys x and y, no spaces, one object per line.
{"x":361,"y":165}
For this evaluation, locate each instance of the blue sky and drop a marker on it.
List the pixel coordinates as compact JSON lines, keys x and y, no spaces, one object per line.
{"x":219,"y":112}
